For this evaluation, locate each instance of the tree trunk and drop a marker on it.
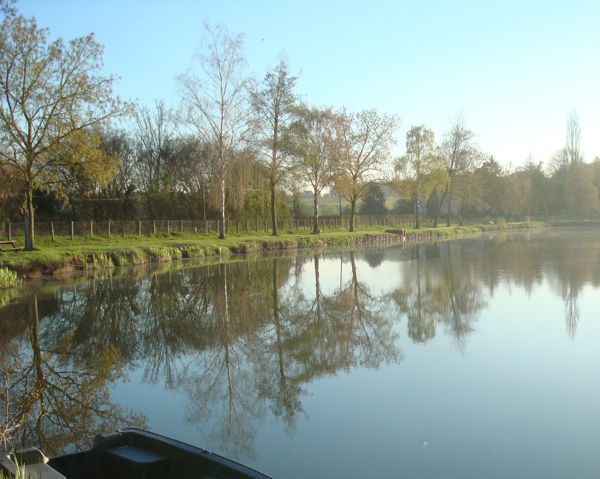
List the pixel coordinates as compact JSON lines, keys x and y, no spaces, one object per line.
{"x":352,"y":214}
{"x":448,"y":210}
{"x":417,"y":218}
{"x":315,"y":229}
{"x":273,"y":210}
{"x":222,"y":209}
{"x":29,"y":220}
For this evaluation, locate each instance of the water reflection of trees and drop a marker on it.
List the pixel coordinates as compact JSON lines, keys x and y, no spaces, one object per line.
{"x":439,"y":287}
{"x":239,"y":339}
{"x":567,"y":261}
{"x":245,"y":339}
{"x":446,"y":283}
{"x":52,"y":398}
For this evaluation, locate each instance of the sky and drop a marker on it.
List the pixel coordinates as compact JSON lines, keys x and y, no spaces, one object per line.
{"x":513,"y":70}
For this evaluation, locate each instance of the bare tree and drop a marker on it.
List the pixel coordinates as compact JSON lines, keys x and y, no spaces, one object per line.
{"x":215,"y":104}
{"x":365,"y":140}
{"x":314,"y":141}
{"x":460,"y":157}
{"x":273,"y":106}
{"x":155,"y":147}
{"x":51,"y":95}
{"x":572,"y":144}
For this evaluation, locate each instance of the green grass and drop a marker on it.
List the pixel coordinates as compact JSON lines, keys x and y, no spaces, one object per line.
{"x":8,"y":278}
{"x":64,"y":254}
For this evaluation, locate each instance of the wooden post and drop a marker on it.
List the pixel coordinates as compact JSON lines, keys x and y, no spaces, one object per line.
{"x":72,"y":230}
{"x":168,"y":227}
{"x":108,"y":228}
{"x":154,"y":227}
{"x":237,"y":227}
{"x":247,"y":226}
{"x":91,"y":228}
{"x":181,"y":226}
{"x":9,"y":231}
{"x":52,"y":229}
{"x":139,"y":228}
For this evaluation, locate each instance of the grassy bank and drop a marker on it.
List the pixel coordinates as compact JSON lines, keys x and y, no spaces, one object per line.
{"x":64,"y":254}
{"x":8,"y":278}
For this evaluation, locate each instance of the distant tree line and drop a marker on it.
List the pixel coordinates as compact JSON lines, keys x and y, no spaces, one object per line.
{"x":236,"y":147}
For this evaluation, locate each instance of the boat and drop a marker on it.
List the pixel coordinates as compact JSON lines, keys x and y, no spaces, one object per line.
{"x":129,"y":453}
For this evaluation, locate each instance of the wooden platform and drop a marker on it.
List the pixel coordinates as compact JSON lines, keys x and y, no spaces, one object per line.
{"x":9,"y":245}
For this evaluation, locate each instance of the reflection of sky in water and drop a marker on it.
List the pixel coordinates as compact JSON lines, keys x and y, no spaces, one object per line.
{"x":500,"y":383}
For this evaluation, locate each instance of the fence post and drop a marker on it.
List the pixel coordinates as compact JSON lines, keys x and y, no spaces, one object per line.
{"x":108,"y":228}
{"x":72,"y":230}
{"x":154,"y":227}
{"x":139,"y":228}
{"x":9,"y":231}
{"x":91,"y":228}
{"x":52,"y":229}
{"x":181,"y":226}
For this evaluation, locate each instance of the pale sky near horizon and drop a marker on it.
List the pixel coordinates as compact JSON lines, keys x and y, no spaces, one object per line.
{"x":513,"y":69}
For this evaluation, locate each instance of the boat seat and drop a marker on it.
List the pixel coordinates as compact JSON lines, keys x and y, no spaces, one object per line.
{"x":134,"y":463}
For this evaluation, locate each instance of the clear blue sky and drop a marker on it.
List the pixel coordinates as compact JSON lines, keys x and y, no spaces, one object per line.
{"x":513,"y":69}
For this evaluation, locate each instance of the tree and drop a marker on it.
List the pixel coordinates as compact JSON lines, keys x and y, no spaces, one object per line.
{"x":373,"y":202}
{"x":459,"y":155}
{"x":51,"y":93}
{"x":215,"y":104}
{"x":156,"y":156}
{"x":314,"y":144}
{"x":573,"y":139}
{"x":487,"y":191}
{"x":273,"y":106}
{"x":365,"y":140}
{"x":419,"y":162}
{"x":580,"y":191}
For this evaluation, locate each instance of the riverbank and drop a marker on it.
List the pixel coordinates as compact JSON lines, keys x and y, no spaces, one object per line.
{"x":65,"y":255}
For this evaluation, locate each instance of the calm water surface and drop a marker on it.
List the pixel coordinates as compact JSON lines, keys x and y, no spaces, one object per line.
{"x":476,"y":358}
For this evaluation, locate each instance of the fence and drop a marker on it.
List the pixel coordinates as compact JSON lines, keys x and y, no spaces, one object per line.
{"x":93,"y":228}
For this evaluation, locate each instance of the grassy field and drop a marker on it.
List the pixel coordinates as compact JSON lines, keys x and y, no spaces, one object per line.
{"x":64,"y":254}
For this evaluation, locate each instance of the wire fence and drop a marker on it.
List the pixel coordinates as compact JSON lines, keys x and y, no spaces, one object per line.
{"x":91,"y":228}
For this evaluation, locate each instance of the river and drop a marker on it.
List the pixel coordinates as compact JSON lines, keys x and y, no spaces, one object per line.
{"x":469,"y":358}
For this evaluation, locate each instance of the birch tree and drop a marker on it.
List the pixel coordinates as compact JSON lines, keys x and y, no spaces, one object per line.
{"x":215,"y":102}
